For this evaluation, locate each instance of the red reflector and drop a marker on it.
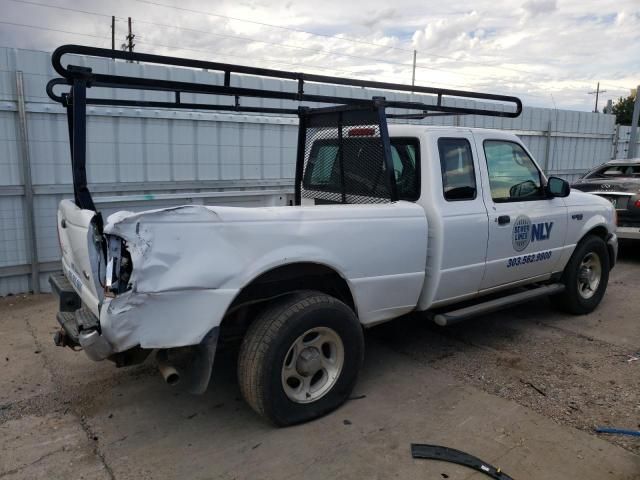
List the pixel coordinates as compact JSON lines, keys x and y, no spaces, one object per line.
{"x":362,"y":132}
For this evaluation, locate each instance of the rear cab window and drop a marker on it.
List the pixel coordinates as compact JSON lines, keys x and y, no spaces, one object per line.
{"x":364,"y":169}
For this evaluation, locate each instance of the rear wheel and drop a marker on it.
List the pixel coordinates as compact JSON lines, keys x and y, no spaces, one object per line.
{"x":300,"y":358}
{"x":585,"y":277}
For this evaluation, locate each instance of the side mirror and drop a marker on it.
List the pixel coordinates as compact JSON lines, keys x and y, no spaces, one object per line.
{"x":558,"y":187}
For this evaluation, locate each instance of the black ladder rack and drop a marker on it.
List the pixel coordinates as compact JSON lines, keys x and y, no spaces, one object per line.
{"x":82,"y":78}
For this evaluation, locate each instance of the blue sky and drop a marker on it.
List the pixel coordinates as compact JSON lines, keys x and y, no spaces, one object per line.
{"x":549,"y":52}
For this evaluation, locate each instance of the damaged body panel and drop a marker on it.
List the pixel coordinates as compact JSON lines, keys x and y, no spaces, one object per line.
{"x":189,"y":263}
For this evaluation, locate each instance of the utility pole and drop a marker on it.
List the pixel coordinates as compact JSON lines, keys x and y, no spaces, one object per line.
{"x":413,"y":76}
{"x":113,"y":32}
{"x":597,"y":92}
{"x":130,"y":43}
{"x":633,"y":138}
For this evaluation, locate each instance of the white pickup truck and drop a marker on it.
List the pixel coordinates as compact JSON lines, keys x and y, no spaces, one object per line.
{"x":475,"y":226}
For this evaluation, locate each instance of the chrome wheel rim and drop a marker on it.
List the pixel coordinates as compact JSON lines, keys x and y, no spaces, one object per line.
{"x":589,"y":275}
{"x":312,"y":365}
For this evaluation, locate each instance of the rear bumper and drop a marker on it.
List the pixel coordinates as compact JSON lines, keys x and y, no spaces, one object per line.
{"x":78,"y":326}
{"x":632,"y":233}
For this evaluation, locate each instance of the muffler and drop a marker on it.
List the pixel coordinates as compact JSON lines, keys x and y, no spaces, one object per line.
{"x":168,"y":371}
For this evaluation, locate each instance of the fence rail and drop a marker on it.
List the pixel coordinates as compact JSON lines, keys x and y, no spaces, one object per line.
{"x":149,"y":158}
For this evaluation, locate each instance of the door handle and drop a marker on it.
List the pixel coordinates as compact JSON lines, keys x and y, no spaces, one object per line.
{"x":504,"y":219}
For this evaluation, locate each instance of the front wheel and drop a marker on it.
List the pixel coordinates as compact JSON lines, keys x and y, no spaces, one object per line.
{"x":300,"y":358}
{"x":585,"y":277}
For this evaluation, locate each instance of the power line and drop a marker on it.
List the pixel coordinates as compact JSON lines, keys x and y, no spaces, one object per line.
{"x":277,"y":44}
{"x":332,"y":36}
{"x":620,"y":87}
{"x":298,"y":30}
{"x":209,"y":52}
{"x":250,"y":39}
{"x":36,"y":27}
{"x":57,"y":7}
{"x":407,"y":66}
{"x":297,"y":47}
{"x":235,"y":37}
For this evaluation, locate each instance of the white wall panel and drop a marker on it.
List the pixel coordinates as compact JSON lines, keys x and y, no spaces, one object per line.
{"x":160,"y":152}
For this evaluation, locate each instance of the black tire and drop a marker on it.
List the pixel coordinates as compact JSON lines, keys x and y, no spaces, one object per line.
{"x":572,"y":300}
{"x":269,"y":340}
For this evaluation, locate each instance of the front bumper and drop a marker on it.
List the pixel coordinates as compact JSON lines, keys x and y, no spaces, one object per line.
{"x":632,"y":233}
{"x":612,"y":247}
{"x":79,"y":327}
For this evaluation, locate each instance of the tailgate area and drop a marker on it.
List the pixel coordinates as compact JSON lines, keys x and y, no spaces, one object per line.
{"x":79,"y":327}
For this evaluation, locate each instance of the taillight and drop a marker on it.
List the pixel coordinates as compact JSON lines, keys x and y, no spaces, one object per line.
{"x":637,"y":203}
{"x":362,"y":132}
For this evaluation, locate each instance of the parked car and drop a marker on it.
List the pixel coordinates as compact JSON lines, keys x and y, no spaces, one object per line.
{"x":387,"y":220}
{"x":619,"y":182}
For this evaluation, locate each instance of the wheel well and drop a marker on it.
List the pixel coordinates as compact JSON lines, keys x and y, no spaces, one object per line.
{"x":280,"y":281}
{"x":603,"y":233}
{"x":599,"y":231}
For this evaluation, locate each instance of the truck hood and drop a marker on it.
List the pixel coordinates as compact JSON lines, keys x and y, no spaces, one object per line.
{"x":579,"y":198}
{"x":580,"y":202}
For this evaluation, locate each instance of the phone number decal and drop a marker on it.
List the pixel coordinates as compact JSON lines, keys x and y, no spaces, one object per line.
{"x":525,"y":259}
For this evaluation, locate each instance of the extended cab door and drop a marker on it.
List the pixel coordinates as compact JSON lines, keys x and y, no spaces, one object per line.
{"x":526,"y":228}
{"x":462,"y":218}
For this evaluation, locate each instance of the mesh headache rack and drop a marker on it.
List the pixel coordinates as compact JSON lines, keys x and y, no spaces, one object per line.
{"x":344,"y":151}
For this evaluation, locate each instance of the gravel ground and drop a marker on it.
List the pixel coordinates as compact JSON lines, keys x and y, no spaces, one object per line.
{"x":579,"y":371}
{"x":523,"y":388}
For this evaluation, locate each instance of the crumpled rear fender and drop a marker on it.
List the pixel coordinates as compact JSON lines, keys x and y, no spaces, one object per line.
{"x":190,"y":262}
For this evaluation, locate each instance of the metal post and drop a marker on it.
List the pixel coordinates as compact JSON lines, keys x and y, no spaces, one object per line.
{"x":597,"y":92}
{"x":78,"y":137}
{"x":113,"y":32}
{"x":413,"y":76}
{"x":130,"y":44}
{"x":547,"y":149}
{"x":30,"y":224}
{"x":633,"y":138}
{"x":343,"y":187}
{"x":301,"y":152}
{"x":616,"y":139}
{"x":386,"y":146}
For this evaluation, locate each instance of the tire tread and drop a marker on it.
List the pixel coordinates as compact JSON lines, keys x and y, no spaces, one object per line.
{"x":261,"y":333}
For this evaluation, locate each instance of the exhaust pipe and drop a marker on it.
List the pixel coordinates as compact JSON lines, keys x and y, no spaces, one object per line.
{"x":168,"y":372}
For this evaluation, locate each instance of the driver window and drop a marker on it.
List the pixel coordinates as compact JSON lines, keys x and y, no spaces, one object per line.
{"x":513,"y":176}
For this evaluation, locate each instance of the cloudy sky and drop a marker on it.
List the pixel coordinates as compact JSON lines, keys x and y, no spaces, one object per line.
{"x":549,"y":52}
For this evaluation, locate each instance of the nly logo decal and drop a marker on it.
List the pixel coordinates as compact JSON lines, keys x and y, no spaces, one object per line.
{"x":525,"y":232}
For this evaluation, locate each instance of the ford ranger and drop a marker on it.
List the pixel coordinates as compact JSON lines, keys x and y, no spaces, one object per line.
{"x":388,"y":219}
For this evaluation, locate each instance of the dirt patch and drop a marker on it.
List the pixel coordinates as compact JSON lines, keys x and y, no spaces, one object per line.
{"x":539,"y":358}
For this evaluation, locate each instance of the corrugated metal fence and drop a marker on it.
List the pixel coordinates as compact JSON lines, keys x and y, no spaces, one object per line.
{"x":146,"y":158}
{"x":621,"y":141}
